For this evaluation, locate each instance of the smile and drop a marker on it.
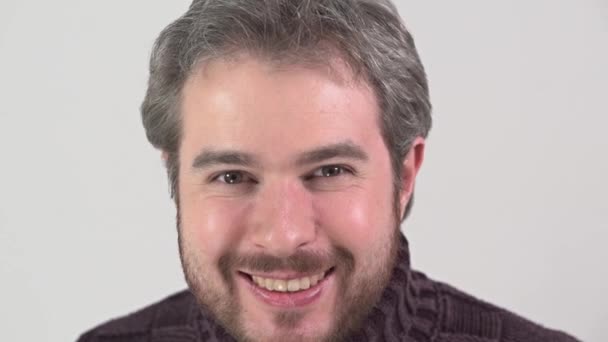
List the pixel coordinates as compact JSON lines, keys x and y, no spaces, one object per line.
{"x":288,"y":285}
{"x":288,"y":291}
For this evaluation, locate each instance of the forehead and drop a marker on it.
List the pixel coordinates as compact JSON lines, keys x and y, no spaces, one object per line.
{"x":264,"y":108}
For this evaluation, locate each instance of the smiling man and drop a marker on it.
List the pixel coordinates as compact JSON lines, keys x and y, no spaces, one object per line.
{"x":292,"y":132}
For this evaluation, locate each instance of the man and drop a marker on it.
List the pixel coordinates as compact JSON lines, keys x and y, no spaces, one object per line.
{"x":292,"y":132}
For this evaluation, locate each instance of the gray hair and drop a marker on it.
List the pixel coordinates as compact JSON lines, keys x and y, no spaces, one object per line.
{"x":368,"y":36}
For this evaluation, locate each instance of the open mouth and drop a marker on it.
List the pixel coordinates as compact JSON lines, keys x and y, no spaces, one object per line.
{"x":291,"y":285}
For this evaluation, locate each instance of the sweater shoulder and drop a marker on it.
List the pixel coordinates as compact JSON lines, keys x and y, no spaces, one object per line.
{"x":171,"y":313}
{"x":464,"y":316}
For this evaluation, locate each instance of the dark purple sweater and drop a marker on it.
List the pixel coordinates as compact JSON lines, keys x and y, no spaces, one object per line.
{"x":413,"y":308}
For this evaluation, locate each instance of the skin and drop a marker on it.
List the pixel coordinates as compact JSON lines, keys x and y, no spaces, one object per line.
{"x":285,"y":206}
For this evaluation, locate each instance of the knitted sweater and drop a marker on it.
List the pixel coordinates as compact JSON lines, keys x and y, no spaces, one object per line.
{"x":413,"y":308}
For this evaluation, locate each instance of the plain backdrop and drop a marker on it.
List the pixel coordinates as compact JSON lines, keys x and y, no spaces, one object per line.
{"x":511,"y":204}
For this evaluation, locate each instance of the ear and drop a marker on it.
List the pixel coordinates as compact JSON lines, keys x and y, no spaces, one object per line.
{"x":411,"y":165}
{"x":165,"y":156}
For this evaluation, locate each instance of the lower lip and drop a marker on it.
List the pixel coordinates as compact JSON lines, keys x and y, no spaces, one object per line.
{"x":289,"y":299}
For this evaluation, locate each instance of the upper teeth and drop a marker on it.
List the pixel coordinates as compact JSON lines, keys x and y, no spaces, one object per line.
{"x":291,"y":285}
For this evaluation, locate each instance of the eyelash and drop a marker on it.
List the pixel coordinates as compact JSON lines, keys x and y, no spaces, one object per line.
{"x":343,"y":169}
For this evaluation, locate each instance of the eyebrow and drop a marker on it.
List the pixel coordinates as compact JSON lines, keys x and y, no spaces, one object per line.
{"x":340,"y":150}
{"x":209,"y":158}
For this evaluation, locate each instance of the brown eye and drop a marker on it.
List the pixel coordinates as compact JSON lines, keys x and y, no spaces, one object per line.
{"x":231,"y":177}
{"x":329,"y":171}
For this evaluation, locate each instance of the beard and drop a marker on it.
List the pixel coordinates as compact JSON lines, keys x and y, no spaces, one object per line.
{"x":359,"y":287}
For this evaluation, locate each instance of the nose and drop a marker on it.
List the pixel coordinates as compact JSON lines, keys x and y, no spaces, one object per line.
{"x":282,"y":220}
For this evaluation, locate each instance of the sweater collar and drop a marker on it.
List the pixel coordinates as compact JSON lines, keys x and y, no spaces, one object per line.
{"x":408,"y":308}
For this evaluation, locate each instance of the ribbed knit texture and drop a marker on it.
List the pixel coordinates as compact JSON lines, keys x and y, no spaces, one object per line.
{"x":412,"y":308}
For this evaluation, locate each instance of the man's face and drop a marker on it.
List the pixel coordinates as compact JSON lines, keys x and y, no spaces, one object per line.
{"x":286,"y":206}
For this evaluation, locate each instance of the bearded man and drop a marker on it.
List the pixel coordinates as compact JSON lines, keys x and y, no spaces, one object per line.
{"x":292,"y":132}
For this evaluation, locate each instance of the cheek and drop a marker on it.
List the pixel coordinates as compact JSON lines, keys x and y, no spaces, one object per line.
{"x":212,"y":226}
{"x":357,"y":219}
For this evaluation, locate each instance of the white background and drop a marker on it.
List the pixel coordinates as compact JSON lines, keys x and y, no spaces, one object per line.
{"x":511,"y":204}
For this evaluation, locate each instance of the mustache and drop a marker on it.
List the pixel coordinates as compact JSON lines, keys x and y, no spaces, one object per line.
{"x":301,"y":261}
